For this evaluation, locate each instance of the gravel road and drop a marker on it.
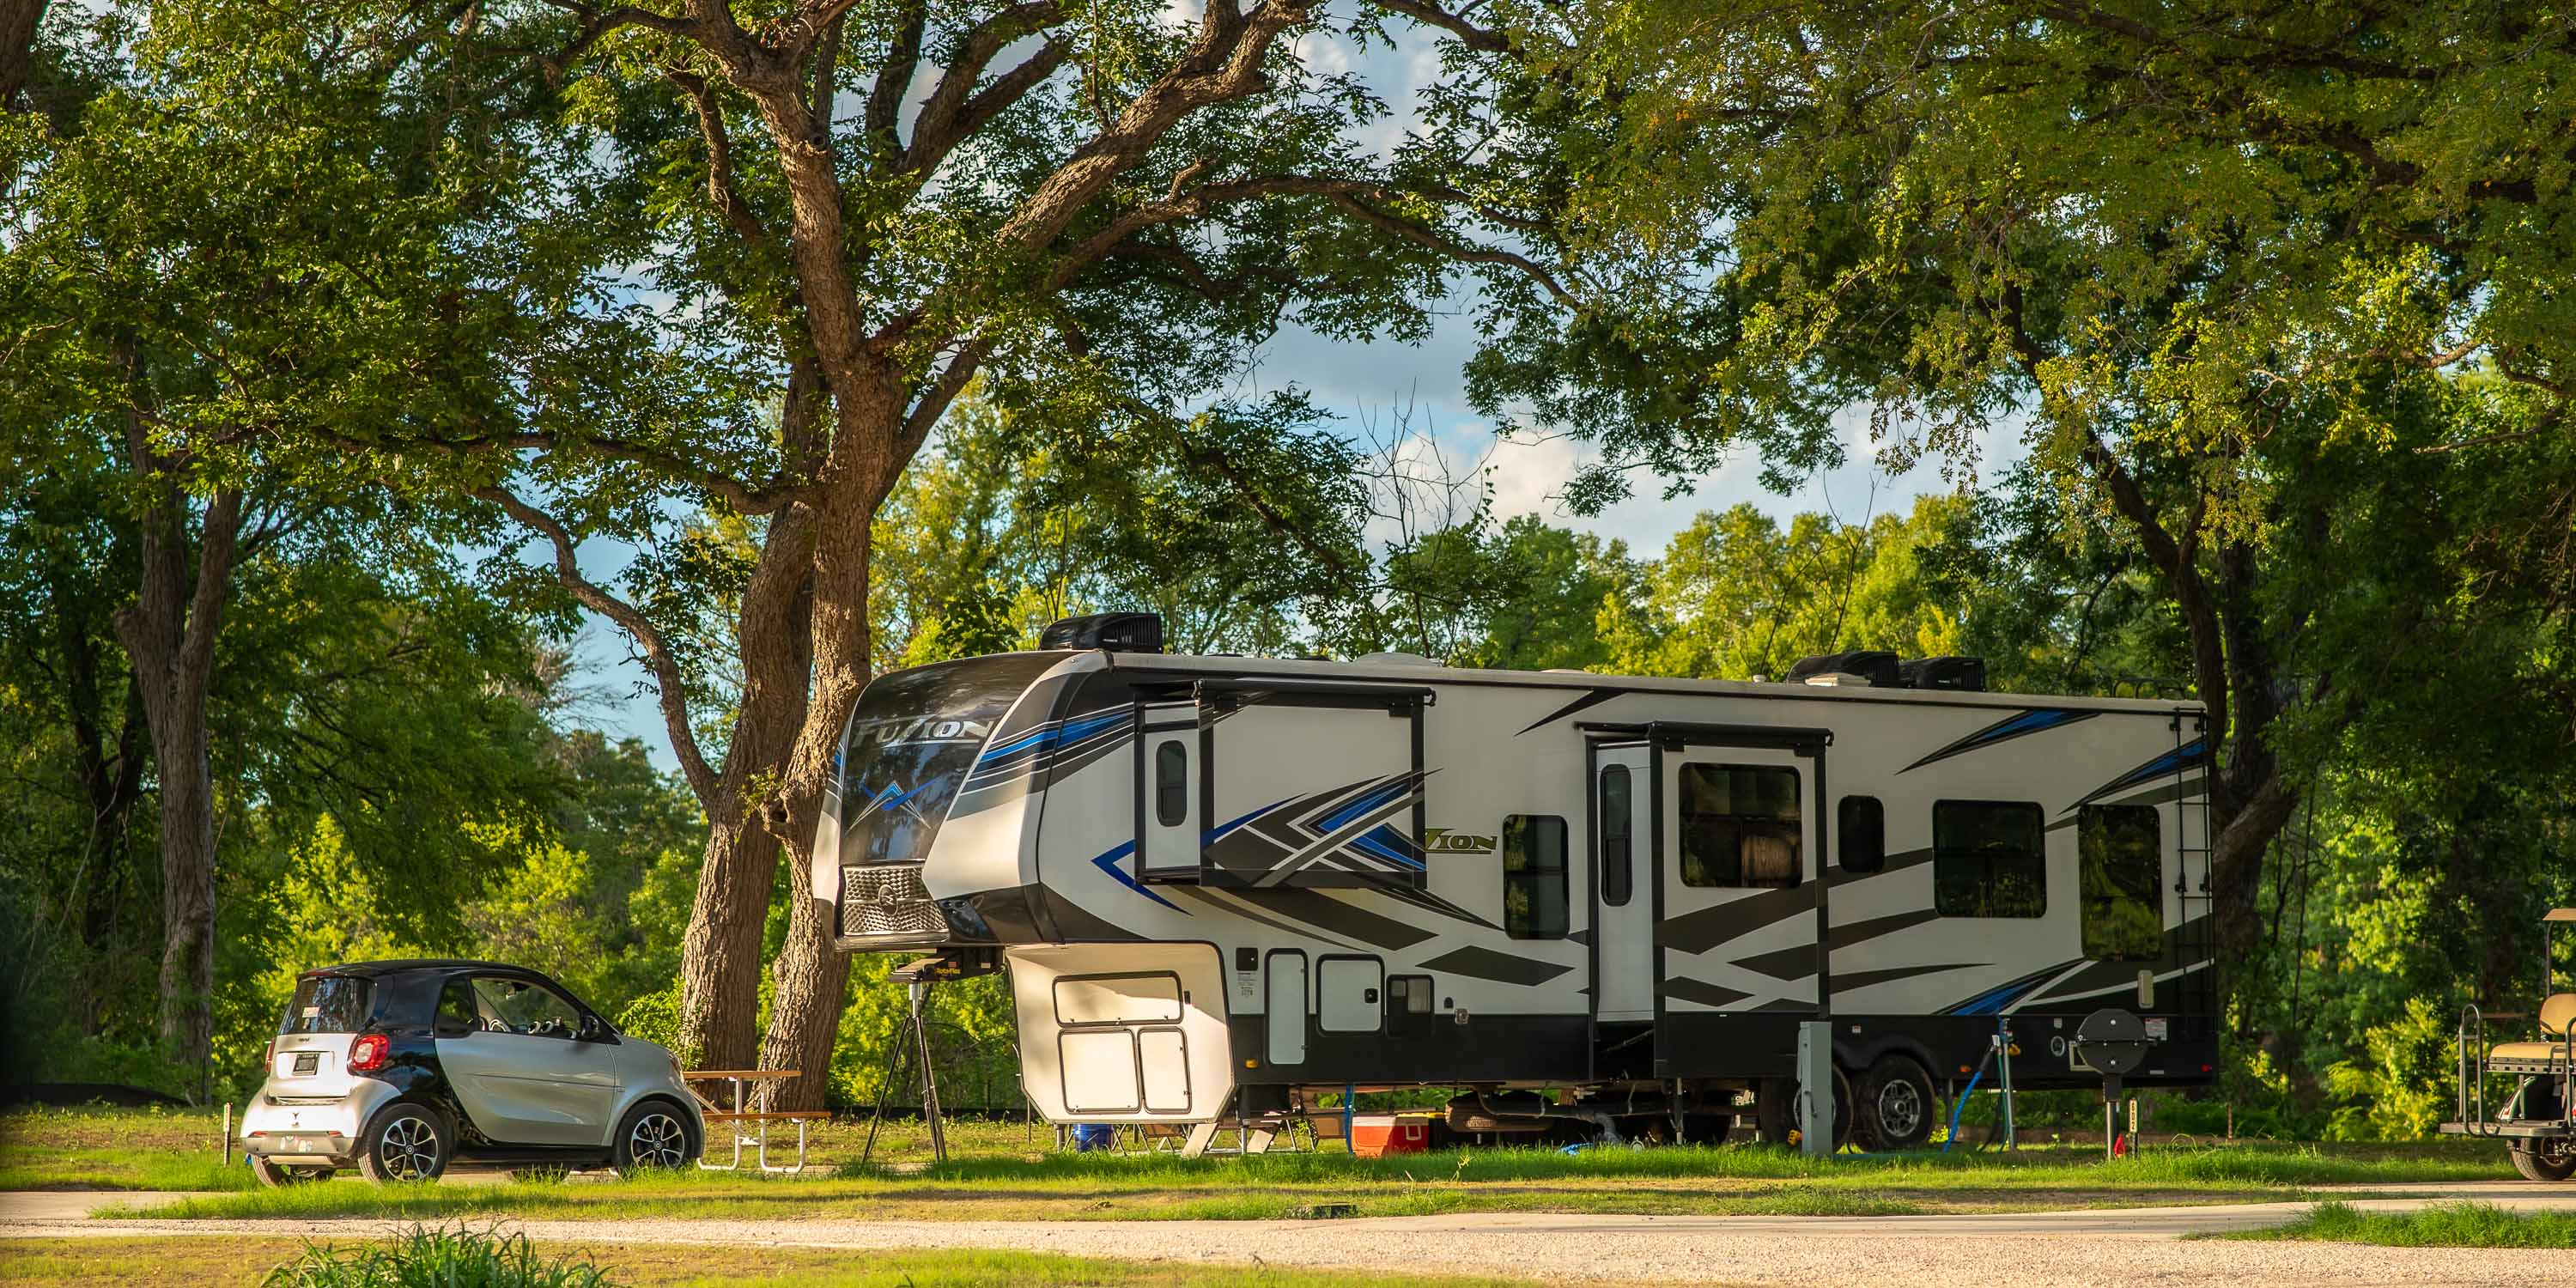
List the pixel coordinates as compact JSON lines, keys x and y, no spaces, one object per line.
{"x":2054,"y":1249}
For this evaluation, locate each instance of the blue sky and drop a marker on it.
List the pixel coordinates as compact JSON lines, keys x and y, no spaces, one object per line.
{"x":1368,"y":386}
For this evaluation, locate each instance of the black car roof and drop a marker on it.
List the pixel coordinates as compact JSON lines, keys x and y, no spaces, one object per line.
{"x":374,"y":970}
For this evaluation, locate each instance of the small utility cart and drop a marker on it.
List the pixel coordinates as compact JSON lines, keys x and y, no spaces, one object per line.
{"x":2537,"y":1120}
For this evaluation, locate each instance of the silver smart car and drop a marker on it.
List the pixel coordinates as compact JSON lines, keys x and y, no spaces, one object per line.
{"x":397,"y":1068}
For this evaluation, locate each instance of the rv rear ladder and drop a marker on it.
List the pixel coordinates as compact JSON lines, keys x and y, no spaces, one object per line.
{"x":2195,"y":940}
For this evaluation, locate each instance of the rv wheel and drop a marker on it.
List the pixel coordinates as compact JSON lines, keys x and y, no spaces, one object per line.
{"x":2537,"y":1166}
{"x":1896,"y":1105}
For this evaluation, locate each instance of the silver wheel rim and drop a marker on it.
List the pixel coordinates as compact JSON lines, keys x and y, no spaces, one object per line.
{"x":657,"y":1141}
{"x":408,"y":1149}
{"x":1900,"y":1108}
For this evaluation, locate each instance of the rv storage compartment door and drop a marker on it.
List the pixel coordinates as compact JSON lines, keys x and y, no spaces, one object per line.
{"x":1346,"y":994}
{"x":1313,"y":787}
{"x":1168,"y":791}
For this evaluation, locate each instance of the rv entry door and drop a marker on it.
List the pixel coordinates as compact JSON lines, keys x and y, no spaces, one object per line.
{"x":1739,"y":924}
{"x":1623,"y":895}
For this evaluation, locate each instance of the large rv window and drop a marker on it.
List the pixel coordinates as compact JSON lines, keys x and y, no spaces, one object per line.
{"x":1739,"y":825}
{"x":2121,"y":856}
{"x":1616,"y":883}
{"x":1534,"y":876}
{"x":1171,"y":783}
{"x":911,"y":742}
{"x":1988,"y":860}
{"x":1860,"y":823}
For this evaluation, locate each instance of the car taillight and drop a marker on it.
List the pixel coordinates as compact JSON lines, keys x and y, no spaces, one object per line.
{"x":270,"y":1059}
{"x":367,"y":1052}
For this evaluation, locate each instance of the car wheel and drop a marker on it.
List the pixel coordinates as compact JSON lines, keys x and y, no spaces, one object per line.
{"x":655,"y":1135}
{"x":277,"y":1174}
{"x":1896,"y":1105}
{"x":2536,"y":1166}
{"x":406,"y":1141}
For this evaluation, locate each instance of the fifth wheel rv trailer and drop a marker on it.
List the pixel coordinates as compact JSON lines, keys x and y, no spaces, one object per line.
{"x":1218,"y":883}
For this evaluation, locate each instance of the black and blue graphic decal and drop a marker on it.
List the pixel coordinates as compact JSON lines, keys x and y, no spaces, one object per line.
{"x":2189,"y":756}
{"x":2017,"y":725}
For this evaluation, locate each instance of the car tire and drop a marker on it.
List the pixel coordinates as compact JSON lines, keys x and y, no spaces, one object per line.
{"x":2536,"y":1166}
{"x":655,"y":1135}
{"x":275,"y":1175}
{"x":1896,"y":1106}
{"x":405,"y":1141}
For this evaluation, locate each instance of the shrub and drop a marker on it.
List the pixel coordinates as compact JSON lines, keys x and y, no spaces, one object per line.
{"x":438,"y":1257}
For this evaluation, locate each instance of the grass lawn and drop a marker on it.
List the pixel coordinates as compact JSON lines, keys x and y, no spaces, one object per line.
{"x":246,"y":1263}
{"x":1672,"y":1180}
{"x":1009,"y":1171}
{"x":2437,"y":1225}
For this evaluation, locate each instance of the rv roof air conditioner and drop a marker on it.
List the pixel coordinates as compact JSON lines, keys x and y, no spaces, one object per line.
{"x":1398,"y":659}
{"x":1108,"y":632}
{"x":1862,"y":666}
{"x":1961,"y":674}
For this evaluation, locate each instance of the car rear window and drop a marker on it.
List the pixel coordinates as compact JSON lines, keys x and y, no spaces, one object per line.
{"x":328,"y":1004}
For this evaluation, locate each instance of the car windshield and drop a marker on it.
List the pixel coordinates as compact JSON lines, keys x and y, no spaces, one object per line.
{"x":328,"y":1004}
{"x":910,"y":743}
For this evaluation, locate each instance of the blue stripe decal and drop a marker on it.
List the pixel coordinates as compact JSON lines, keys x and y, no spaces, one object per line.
{"x":1387,"y":843}
{"x":1367,"y":801}
{"x":1109,"y":863}
{"x":1073,"y":730}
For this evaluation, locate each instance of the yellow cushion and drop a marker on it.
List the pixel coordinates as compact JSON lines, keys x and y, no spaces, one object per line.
{"x":2557,"y":1013}
{"x":2528,"y":1051}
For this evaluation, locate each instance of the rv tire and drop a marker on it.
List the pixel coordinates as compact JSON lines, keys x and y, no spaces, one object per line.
{"x":2536,"y":1166}
{"x":1896,"y":1106}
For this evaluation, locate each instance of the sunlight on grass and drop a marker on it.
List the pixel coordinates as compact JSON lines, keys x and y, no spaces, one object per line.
{"x":2436,"y":1225}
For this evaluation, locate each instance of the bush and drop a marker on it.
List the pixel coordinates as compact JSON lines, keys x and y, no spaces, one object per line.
{"x":427,"y":1257}
{"x":655,"y":1017}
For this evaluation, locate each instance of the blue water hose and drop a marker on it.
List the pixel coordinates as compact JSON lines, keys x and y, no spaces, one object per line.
{"x":1959,"y":1103}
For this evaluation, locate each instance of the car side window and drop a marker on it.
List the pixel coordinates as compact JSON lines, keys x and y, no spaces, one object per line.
{"x":456,"y":1012}
{"x":523,"y":1007}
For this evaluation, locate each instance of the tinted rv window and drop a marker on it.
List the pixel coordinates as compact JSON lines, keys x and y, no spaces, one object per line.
{"x":1171,"y":783}
{"x":911,"y":742}
{"x":2121,"y":856}
{"x":1861,"y":825}
{"x":328,"y":1004}
{"x":1739,"y":825}
{"x":1534,"y":876}
{"x":1615,"y":821}
{"x":1988,"y":860}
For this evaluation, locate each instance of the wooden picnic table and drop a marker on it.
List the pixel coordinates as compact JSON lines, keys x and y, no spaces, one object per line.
{"x":760,"y":1118}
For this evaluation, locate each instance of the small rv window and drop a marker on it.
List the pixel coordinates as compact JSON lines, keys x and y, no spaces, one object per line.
{"x":1408,"y":1005}
{"x":2122,"y":864}
{"x":1861,"y":823}
{"x":1534,"y":876}
{"x":1616,"y":881}
{"x":1988,"y":859}
{"x":1171,"y":783}
{"x":1739,"y":825}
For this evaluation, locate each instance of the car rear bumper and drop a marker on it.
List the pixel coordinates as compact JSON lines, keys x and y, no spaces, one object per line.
{"x":288,"y":1128}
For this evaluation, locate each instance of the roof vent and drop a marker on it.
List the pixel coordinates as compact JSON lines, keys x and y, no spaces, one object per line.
{"x":1859,"y":667}
{"x":1108,"y":632}
{"x":1964,"y":674}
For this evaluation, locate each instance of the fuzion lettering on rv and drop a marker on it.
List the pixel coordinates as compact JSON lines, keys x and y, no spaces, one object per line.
{"x":1441,"y":840}
{"x":937,"y":730}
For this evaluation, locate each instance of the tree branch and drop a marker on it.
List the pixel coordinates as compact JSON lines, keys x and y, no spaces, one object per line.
{"x":894,"y":80}
{"x":1483,"y":40}
{"x":1435,"y":240}
{"x":657,"y":650}
{"x":946,"y":117}
{"x":721,"y":186}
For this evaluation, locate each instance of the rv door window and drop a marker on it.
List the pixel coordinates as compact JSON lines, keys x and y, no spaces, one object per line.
{"x":1862,"y":823}
{"x":1739,"y":825}
{"x":1988,"y":860}
{"x":1534,"y":876}
{"x":1171,"y":783}
{"x":1617,"y":882}
{"x":2122,"y":865}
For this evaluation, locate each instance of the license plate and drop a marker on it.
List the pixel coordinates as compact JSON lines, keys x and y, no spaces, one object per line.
{"x":308,"y":1061}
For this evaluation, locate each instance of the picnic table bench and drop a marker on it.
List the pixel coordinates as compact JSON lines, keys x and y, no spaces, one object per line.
{"x":759,"y":1082}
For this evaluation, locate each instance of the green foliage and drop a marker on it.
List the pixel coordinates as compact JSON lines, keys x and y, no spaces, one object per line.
{"x":2465,"y":1224}
{"x":439,"y":1257}
{"x":2400,"y":1091}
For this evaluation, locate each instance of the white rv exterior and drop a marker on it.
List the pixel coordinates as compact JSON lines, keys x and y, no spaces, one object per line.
{"x":1215,"y":880}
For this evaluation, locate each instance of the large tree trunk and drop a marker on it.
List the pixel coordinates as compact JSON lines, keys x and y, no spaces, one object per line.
{"x":169,"y":631}
{"x":18,"y":21}
{"x":720,"y":956}
{"x":813,"y":976}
